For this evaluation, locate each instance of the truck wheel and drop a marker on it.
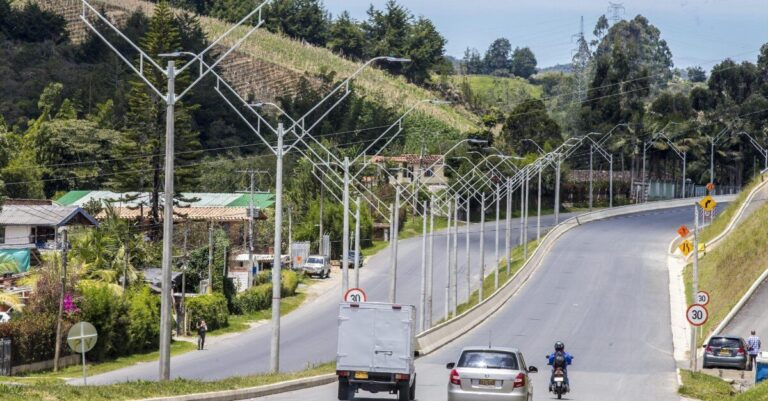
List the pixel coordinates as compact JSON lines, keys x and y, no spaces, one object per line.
{"x":344,"y":389}
{"x":412,"y":390}
{"x":403,"y":391}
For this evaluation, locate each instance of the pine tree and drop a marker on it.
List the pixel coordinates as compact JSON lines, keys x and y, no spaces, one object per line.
{"x":141,"y":150}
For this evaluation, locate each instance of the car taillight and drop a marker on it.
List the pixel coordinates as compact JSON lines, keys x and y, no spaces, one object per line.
{"x":342,"y":373}
{"x":519,"y":381}
{"x":401,"y":377}
{"x":741,"y":351}
{"x":455,"y":377}
{"x":708,"y":349}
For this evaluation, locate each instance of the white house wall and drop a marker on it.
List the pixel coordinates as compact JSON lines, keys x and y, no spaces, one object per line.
{"x":17,"y":235}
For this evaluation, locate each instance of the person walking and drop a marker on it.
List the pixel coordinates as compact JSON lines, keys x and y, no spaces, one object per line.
{"x":754,"y":345}
{"x":202,"y":328}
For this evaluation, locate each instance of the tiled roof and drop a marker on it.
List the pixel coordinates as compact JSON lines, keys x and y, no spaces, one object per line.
{"x":409,"y":159}
{"x":43,"y":215}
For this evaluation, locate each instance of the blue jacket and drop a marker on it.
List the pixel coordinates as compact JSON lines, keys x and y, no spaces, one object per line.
{"x":568,"y":358}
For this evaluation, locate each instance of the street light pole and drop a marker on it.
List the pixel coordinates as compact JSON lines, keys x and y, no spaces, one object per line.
{"x":357,"y":242}
{"x":345,"y":235}
{"x":482,"y":247}
{"x":455,"y":269}
{"x":430,"y":261}
{"x":591,"y":149}
{"x":466,"y":241}
{"x":538,"y":208}
{"x":525,"y":224}
{"x":394,"y":235}
{"x":508,"y":233}
{"x":448,"y":263}
{"x":423,"y":292}
{"x":496,"y":241}
{"x":557,"y":190}
{"x":277,"y":257}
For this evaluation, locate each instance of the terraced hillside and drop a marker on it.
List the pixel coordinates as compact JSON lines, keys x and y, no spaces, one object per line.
{"x":267,"y":65}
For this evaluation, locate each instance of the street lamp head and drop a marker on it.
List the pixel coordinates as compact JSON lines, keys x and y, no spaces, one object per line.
{"x":478,"y":141}
{"x":397,"y":60}
{"x":176,"y":54}
{"x":257,"y":104}
{"x":438,"y":101}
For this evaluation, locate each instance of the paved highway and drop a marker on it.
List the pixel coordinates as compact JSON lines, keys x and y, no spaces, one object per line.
{"x":309,"y":333}
{"x":604,"y":292}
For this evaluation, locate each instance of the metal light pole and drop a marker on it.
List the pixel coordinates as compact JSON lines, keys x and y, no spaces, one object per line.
{"x":209,"y":289}
{"x":357,"y":242}
{"x":423,"y":293}
{"x":322,"y":201}
{"x":466,"y":241}
{"x":430,"y":261}
{"x":250,"y":233}
{"x":538,"y":208}
{"x":508,"y":233}
{"x":395,"y":229}
{"x":277,"y":257}
{"x":345,"y":235}
{"x":482,"y":247}
{"x":591,"y":149}
{"x":525,"y":225}
{"x":694,"y":364}
{"x":455,"y":268}
{"x":522,"y":207}
{"x":496,"y":241}
{"x":448,"y":263}
{"x":557,"y":190}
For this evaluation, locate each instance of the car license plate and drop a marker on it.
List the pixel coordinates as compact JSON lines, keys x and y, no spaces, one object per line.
{"x":487,"y":382}
{"x":725,"y":352}
{"x":361,"y":375}
{"x":559,"y":379}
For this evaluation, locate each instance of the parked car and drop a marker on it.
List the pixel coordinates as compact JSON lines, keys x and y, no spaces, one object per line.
{"x":317,"y":265}
{"x":351,"y":260}
{"x":726,"y":352}
{"x":490,"y":373}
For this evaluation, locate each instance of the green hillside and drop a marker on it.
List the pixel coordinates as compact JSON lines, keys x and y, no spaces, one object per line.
{"x":501,"y":92}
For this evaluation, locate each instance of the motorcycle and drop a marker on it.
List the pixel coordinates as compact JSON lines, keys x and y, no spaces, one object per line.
{"x":559,"y":387}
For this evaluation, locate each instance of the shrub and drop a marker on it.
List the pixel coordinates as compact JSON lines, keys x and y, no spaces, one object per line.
{"x":211,"y":308}
{"x":107,"y":312}
{"x":255,"y":298}
{"x":143,"y":320}
{"x":34,"y":337}
{"x":289,"y":283}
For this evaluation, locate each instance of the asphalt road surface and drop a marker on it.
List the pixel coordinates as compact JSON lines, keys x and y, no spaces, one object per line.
{"x":308,"y":335}
{"x":603,"y":291}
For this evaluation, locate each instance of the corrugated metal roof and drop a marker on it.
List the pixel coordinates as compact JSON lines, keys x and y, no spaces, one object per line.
{"x":41,"y":215}
{"x":201,"y":199}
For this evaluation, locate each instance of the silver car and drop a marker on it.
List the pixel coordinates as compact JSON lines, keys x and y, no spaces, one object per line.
{"x":490,"y":373}
{"x":317,"y":266}
{"x":726,"y":352}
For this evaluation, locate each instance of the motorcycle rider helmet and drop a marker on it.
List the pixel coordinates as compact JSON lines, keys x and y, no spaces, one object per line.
{"x":559,"y":346}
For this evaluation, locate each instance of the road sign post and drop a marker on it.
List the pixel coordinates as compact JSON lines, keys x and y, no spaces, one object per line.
{"x":82,"y":338}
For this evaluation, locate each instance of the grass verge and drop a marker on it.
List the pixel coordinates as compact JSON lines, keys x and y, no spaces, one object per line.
{"x":238,"y":323}
{"x":729,"y":270}
{"x":723,"y":219}
{"x":708,"y":388}
{"x":490,"y":280}
{"x":147,"y":389}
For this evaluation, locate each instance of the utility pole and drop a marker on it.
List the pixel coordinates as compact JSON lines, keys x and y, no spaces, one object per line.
{"x":591,"y":149}
{"x":357,"y":242}
{"x":557,"y":190}
{"x":251,"y":217}
{"x":165,"y":299}
{"x":508,"y":234}
{"x":277,"y":257}
{"x":290,"y":234}
{"x":209,"y":289}
{"x":184,"y":268}
{"x":525,"y":224}
{"x":482,"y":248}
{"x":322,"y":202}
{"x":64,"y":246}
{"x":522,"y":206}
{"x":345,"y":235}
{"x":455,"y":268}
{"x":694,"y":348}
{"x":466,"y":241}
{"x":394,"y":235}
{"x":496,"y":241}
{"x":423,"y":293}
{"x":538,"y":208}
{"x":224,"y":270}
{"x":430,"y":261}
{"x":448,"y":263}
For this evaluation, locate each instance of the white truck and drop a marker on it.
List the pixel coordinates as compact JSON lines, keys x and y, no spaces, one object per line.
{"x":376,"y":349}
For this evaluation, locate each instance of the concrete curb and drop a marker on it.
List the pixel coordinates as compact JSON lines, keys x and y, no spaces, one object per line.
{"x":438,"y":336}
{"x":253,"y":392}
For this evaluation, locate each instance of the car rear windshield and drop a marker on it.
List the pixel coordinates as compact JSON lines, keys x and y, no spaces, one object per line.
{"x":488,"y":360}
{"x":723,"y":342}
{"x":315,"y":260}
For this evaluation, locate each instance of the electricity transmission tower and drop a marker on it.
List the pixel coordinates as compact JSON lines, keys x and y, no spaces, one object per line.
{"x":615,"y":12}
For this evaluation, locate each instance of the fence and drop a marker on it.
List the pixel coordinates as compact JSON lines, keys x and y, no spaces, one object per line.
{"x":5,"y":356}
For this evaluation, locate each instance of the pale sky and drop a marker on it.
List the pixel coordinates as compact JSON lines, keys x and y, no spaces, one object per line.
{"x":698,"y":32}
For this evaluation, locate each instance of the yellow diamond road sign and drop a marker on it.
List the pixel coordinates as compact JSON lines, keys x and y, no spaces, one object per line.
{"x":686,"y":247}
{"x":707,"y":203}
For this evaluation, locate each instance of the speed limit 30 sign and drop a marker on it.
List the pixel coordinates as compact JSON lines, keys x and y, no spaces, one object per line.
{"x":697,"y":315}
{"x":702,"y":298}
{"x":355,"y":295}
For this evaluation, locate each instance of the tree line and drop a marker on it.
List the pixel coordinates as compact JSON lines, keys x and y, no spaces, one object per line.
{"x":500,"y":60}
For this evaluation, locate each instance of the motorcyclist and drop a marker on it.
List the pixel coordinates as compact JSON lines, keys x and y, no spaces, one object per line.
{"x":559,"y":359}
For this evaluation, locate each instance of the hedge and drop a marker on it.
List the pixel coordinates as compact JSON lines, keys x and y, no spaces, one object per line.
{"x":259,"y":297}
{"x":33,"y":337}
{"x":211,"y":308}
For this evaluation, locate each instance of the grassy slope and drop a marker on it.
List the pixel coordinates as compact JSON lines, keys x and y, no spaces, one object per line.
{"x":724,"y":218}
{"x":291,"y":54}
{"x":743,"y":255}
{"x":54,"y":390}
{"x":709,"y":388}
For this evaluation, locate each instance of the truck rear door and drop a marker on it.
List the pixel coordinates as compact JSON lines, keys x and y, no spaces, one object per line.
{"x":356,"y":339}
{"x":392,"y":347}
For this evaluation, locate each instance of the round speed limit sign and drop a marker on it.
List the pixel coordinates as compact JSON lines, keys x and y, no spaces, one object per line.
{"x":697,"y":315}
{"x":702,"y":298}
{"x":355,"y":295}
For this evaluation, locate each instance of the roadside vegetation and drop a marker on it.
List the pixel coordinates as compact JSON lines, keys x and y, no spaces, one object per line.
{"x":724,"y":218}
{"x":743,"y":255}
{"x":709,"y":388}
{"x":55,"y":390}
